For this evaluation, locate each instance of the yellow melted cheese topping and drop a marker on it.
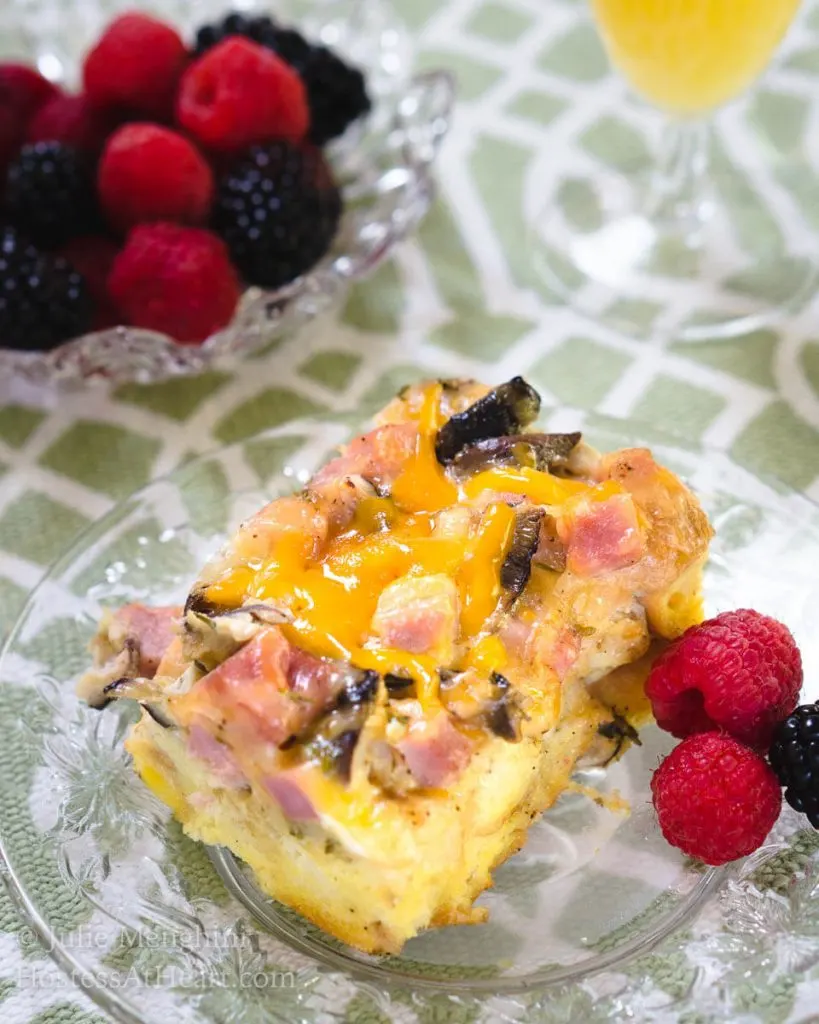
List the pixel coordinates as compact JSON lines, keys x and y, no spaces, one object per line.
{"x":332,"y":599}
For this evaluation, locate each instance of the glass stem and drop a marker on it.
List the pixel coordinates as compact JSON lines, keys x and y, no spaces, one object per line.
{"x":677,"y":196}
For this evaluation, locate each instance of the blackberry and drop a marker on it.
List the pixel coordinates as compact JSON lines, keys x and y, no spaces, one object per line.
{"x":43,"y":300}
{"x":277,"y":210}
{"x":794,"y":756}
{"x":50,"y":194}
{"x":336,"y":91}
{"x":259,"y":29}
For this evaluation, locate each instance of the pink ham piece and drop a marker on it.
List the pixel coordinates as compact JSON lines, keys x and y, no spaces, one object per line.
{"x":378,"y":457}
{"x":216,"y":756}
{"x":289,"y":795}
{"x":602,"y":536}
{"x":152,"y":629}
{"x":435,"y":751}
{"x":419,"y":614}
{"x":264,"y":693}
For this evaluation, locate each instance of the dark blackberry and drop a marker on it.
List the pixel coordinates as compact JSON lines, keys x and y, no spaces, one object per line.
{"x":336,"y":92}
{"x":257,"y":28}
{"x":43,"y":300}
{"x":50,"y":194}
{"x":794,"y":756}
{"x":277,"y":209}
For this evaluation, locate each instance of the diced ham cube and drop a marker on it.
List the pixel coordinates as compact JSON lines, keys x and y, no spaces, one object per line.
{"x":602,"y":536}
{"x":152,"y":629}
{"x":435,"y":751}
{"x":419,"y":614}
{"x":286,"y":790}
{"x":264,"y":693}
{"x":378,"y":457}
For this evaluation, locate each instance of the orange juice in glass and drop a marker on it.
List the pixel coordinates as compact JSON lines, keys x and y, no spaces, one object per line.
{"x":689,"y":56}
{"x":686,"y":58}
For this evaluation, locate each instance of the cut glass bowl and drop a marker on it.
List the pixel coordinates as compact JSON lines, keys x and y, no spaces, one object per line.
{"x":383,"y":165}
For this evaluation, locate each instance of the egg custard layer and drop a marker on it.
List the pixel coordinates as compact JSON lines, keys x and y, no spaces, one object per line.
{"x":380,"y":682}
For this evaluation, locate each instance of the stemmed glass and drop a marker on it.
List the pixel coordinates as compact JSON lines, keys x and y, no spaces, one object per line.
{"x":687,"y":57}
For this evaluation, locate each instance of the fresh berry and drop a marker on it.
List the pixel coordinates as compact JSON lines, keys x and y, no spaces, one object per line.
{"x":794,"y":756}
{"x":336,"y":94}
{"x":148,"y":173}
{"x":715,"y":798}
{"x":336,"y":91}
{"x":50,"y":193}
{"x":740,"y":672}
{"x":93,"y":256}
{"x":261,"y":29}
{"x":136,"y":66}
{"x":278,"y":210}
{"x":73,"y":121}
{"x":176,"y":280}
{"x":24,"y":90}
{"x":44,"y":300}
{"x":238,"y":94}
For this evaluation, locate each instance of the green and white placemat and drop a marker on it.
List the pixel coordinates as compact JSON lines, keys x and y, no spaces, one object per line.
{"x":536,"y":98}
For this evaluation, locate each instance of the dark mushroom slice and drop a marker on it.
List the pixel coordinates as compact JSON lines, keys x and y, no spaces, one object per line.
{"x":550,"y":551}
{"x":158,"y":715}
{"x":545,"y":452}
{"x":517,"y":566}
{"x":504,"y":410}
{"x":400,"y":687}
{"x":614,"y":738}
{"x":334,"y":737}
{"x":503,"y":715}
{"x":360,"y":688}
{"x":213,"y":634}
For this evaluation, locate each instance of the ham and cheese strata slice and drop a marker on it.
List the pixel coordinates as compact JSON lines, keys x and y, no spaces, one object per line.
{"x":381,"y":681}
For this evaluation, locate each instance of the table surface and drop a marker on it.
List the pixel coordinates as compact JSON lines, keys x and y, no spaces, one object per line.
{"x":536,"y":98}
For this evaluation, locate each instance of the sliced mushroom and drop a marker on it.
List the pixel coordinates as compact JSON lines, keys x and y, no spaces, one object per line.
{"x":517,"y":566}
{"x":539,"y":451}
{"x":212,"y":634}
{"x":94,"y":686}
{"x":505,"y":410}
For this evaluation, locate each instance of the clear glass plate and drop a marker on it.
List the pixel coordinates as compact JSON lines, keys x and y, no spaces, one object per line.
{"x":383,"y":165}
{"x":156,"y":928}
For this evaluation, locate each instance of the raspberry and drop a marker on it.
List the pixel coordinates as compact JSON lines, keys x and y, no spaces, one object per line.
{"x":72,"y":120}
{"x":136,"y":66}
{"x":148,"y":173}
{"x":176,"y":280}
{"x":24,"y":90}
{"x":43,"y":301}
{"x":239,"y":94}
{"x":794,"y":756}
{"x":50,"y":193}
{"x":278,"y":210}
{"x":740,"y":672}
{"x":716,"y":799}
{"x":336,"y":91}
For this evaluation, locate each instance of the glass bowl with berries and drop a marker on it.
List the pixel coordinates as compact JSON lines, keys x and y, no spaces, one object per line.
{"x":180,"y":188}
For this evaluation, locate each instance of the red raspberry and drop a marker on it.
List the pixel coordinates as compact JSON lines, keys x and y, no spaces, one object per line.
{"x":148,"y":173}
{"x":24,"y":90}
{"x":239,"y":94}
{"x":716,"y":799}
{"x":741,"y":672}
{"x":73,"y":121}
{"x":136,"y":66}
{"x":176,"y":280}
